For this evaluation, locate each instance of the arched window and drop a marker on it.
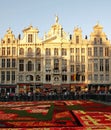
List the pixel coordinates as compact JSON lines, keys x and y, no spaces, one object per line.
{"x":55,"y":51}
{"x":8,"y":40}
{"x":38,"y":78}
{"x":77,"y":39}
{"x":30,"y":51}
{"x":29,"y":66}
{"x":38,"y":51}
{"x":95,"y":41}
{"x":48,"y":52}
{"x":29,"y":78}
{"x":21,"y":51}
{"x":30,"y":38}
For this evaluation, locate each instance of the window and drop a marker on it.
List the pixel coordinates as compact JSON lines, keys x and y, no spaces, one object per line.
{"x":8,"y":40}
{"x":21,"y":78}
{"x":107,"y":65}
{"x":71,"y":50}
{"x":106,"y":51}
{"x":77,"y":68}
{"x":29,"y":78}
{"x":3,"y":51}
{"x":89,"y":77}
{"x":64,"y":65}
{"x":48,"y":65}
{"x":77,"y":39}
{"x":100,"y":40}
{"x":21,"y":65}
{"x":77,"y":58}
{"x":89,"y":51}
{"x":77,"y":77}
{"x":13,"y":63}
{"x":101,"y":77}
{"x":56,"y":51}
{"x":13,"y":50}
{"x":48,"y":78}
{"x":38,"y":51}
{"x":101,"y":65}
{"x":8,"y":76}
{"x":2,"y":76}
{"x":95,"y":51}
{"x":89,"y":67}
{"x":30,"y":38}
{"x":30,"y":51}
{"x":95,"y":41}
{"x":13,"y":75}
{"x":8,"y":50}
{"x":83,"y":77}
{"x":72,"y":68}
{"x":107,"y":77}
{"x":83,"y":68}
{"x":77,"y":51}
{"x":29,"y":66}
{"x":21,"y":51}
{"x":8,"y":63}
{"x":82,"y":50}
{"x":64,"y":52}
{"x":38,"y":65}
{"x":48,"y":52}
{"x":3,"y":63}
{"x":96,"y":77}
{"x":38,"y":78}
{"x":64,"y":77}
{"x":83,"y":59}
{"x":56,"y":64}
{"x":72,"y":58}
{"x":95,"y":67}
{"x":101,"y":51}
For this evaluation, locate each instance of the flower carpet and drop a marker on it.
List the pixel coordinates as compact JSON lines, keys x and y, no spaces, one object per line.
{"x":51,"y":115}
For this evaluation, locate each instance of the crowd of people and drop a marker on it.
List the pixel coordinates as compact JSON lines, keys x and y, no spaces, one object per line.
{"x":54,"y":95}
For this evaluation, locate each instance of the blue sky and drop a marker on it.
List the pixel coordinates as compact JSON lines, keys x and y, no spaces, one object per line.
{"x":18,"y":14}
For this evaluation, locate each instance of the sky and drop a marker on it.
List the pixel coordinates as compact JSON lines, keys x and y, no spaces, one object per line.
{"x":19,"y":14}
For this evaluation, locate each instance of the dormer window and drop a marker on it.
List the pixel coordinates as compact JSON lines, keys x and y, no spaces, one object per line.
{"x":100,"y":40}
{"x":30,"y":38}
{"x":77,"y":39}
{"x":8,"y":40}
{"x":95,"y":40}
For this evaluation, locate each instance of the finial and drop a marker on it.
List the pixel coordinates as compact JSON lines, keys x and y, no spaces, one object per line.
{"x":56,"y":18}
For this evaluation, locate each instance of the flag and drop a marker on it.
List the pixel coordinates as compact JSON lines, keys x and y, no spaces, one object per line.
{"x":74,"y":77}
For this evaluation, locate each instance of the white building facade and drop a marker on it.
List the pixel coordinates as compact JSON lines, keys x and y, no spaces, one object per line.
{"x":55,"y":62}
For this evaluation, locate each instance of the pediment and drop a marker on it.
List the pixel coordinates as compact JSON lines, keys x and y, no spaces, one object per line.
{"x":30,"y":29}
{"x":55,"y":39}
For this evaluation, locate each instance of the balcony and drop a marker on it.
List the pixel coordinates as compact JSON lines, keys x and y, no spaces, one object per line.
{"x":56,"y":71}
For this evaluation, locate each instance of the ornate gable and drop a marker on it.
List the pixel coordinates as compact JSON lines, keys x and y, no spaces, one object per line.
{"x":98,"y":34}
{"x":56,"y":32}
{"x":30,"y":29}
{"x":9,"y":37}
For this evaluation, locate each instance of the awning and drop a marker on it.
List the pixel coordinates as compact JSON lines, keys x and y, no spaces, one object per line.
{"x":98,"y":84}
{"x":8,"y":86}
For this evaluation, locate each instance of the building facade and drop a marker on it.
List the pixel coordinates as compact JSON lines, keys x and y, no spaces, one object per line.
{"x":58,"y":61}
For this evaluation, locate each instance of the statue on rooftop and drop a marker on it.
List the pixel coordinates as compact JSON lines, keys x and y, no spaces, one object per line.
{"x":56,"y":19}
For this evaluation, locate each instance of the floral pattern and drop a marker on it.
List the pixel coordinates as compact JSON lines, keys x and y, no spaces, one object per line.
{"x":59,"y":115}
